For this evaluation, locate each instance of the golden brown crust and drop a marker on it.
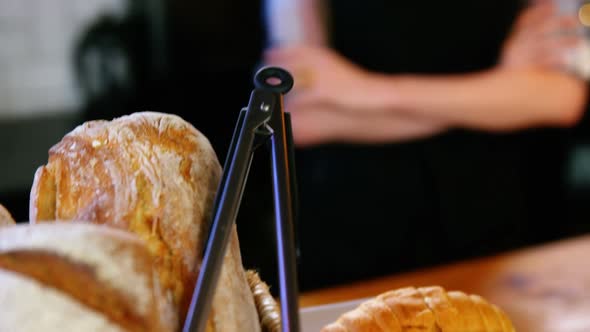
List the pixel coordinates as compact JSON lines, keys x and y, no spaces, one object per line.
{"x":5,"y":217}
{"x":504,"y":320}
{"x":469,"y":316}
{"x":384,"y":317}
{"x":43,"y":196}
{"x":152,"y":174}
{"x":424,"y":309}
{"x":360,"y":321}
{"x":444,"y":311}
{"x":490,"y":317}
{"x":410,"y":309}
{"x":125,"y":173}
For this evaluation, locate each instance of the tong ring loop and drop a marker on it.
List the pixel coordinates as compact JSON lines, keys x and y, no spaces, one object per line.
{"x":284,"y":80}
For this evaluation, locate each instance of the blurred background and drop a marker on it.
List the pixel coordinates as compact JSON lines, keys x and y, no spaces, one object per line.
{"x":63,"y":62}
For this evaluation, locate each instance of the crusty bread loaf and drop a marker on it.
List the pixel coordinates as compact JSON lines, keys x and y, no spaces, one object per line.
{"x":423,"y":309}
{"x":45,"y":309}
{"x":5,"y":217}
{"x":78,"y":277}
{"x":154,"y":175}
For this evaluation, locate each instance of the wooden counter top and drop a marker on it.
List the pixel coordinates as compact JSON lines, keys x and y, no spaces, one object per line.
{"x":543,"y":289}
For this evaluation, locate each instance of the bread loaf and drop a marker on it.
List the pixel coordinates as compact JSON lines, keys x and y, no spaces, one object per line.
{"x":33,"y":315}
{"x":156,"y":176}
{"x":423,"y":309}
{"x":78,"y":277}
{"x":5,"y":217}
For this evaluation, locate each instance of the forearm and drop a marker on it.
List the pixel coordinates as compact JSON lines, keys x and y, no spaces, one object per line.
{"x":389,"y":128}
{"x":495,"y":100}
{"x":324,"y":125}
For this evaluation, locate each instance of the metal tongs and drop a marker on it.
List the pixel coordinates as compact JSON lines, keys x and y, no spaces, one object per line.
{"x":264,"y":119}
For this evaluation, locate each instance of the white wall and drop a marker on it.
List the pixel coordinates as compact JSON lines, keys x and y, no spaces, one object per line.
{"x":36,"y":44}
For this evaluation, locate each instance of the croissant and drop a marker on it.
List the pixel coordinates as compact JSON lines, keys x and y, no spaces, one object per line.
{"x":429,"y":309}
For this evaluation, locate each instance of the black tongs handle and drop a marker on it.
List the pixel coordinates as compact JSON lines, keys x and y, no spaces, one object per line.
{"x":274,"y":79}
{"x":264,"y":116}
{"x":284,"y":193}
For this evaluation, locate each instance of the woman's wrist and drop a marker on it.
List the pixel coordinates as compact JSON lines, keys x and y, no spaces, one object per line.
{"x":379,"y":93}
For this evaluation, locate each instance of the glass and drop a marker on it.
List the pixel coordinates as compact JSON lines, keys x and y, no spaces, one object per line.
{"x":578,"y":58}
{"x":284,"y":22}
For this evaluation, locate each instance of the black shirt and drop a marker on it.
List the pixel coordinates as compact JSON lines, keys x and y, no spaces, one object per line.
{"x":366,"y":211}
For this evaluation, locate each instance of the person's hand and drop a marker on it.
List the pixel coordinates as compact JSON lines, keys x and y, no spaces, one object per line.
{"x":322,"y":77}
{"x":329,"y":96}
{"x":538,"y":39}
{"x":327,"y":86}
{"x":334,"y":100}
{"x":322,"y":125}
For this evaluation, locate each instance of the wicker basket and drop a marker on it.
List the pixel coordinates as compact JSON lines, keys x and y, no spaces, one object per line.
{"x":269,"y":311}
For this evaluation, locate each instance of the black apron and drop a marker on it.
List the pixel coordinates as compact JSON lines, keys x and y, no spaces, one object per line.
{"x":367,"y":211}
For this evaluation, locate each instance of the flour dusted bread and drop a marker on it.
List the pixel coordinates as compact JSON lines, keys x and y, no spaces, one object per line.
{"x":423,"y":309}
{"x":5,"y":217}
{"x":156,"y":176}
{"x":78,"y":277}
{"x":63,"y":314}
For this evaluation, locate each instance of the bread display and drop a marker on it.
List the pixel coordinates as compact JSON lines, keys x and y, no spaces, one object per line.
{"x":424,"y":309}
{"x":66,"y":277}
{"x":156,"y":176}
{"x":5,"y":217}
{"x":119,"y":218}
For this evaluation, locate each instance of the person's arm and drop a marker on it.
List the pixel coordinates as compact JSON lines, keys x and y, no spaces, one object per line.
{"x":528,"y":88}
{"x":503,"y":98}
{"x":324,"y":125}
{"x":399,"y":108}
{"x":498,"y":100}
{"x":310,"y":127}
